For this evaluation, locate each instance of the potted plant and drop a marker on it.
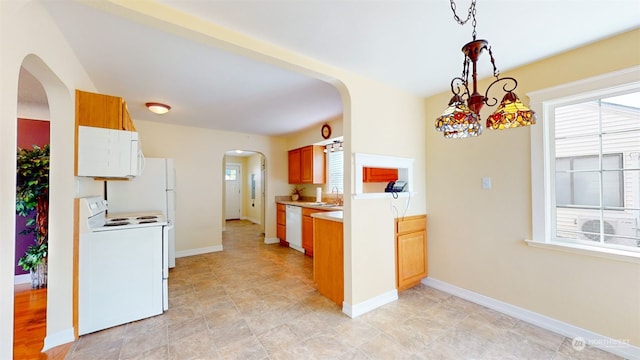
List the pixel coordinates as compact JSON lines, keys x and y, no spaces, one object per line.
{"x":296,"y":193}
{"x":32,"y":193}
{"x":34,"y":260}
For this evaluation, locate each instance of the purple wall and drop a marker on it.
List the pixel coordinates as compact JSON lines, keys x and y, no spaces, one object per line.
{"x":30,"y":132}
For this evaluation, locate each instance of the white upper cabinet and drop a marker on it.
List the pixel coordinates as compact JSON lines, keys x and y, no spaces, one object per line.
{"x":108,"y":153}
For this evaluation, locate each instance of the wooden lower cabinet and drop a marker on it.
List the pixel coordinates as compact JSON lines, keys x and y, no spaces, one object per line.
{"x":307,"y":230}
{"x":281,"y":229}
{"x":411,"y":251}
{"x":328,"y":259}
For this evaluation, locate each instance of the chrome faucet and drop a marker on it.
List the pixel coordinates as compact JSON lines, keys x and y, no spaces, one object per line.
{"x":338,"y":200}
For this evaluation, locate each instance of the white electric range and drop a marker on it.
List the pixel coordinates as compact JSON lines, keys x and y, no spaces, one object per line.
{"x":123,"y":266}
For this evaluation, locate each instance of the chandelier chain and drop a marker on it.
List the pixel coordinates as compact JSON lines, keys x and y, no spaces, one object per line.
{"x":471,"y":14}
{"x":496,"y":72}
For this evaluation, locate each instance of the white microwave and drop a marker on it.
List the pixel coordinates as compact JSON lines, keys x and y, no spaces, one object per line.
{"x":109,"y":153}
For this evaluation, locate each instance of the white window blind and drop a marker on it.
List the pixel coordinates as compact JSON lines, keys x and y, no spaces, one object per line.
{"x":336,"y":171}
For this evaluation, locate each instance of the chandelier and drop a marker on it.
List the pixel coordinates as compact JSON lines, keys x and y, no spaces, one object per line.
{"x":462,"y":118}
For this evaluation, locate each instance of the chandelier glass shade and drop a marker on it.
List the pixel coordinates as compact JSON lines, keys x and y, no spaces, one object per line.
{"x":457,"y":121}
{"x":461,"y":119}
{"x":510,"y":114}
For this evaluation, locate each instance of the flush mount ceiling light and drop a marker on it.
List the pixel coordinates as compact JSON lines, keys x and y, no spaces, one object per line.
{"x":462,"y":118}
{"x":158,"y":108}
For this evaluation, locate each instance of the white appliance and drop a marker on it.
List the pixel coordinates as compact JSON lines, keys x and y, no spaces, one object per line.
{"x":153,"y":190}
{"x":294,"y":227}
{"x":622,"y":230}
{"x":121,"y":267}
{"x":108,"y":152}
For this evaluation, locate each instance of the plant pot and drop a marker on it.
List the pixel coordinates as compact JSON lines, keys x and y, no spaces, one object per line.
{"x":295,"y":197}
{"x":39,"y":276}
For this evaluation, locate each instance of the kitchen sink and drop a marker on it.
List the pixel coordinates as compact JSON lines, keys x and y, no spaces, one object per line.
{"x":322,"y":204}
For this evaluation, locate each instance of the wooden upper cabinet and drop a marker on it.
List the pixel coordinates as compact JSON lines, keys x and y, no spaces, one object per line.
{"x":103,"y":111}
{"x":307,"y":165}
{"x":313,"y":164}
{"x":379,"y":174}
{"x":295,"y":161}
{"x":127,"y":123}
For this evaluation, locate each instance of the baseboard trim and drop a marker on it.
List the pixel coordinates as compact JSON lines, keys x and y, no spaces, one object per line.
{"x":22,"y":279}
{"x":271,"y":240}
{"x":617,"y":347}
{"x":364,"y":307}
{"x":59,"y":338}
{"x":199,"y":251}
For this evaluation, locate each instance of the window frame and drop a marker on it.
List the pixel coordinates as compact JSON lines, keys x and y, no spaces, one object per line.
{"x":544,"y":102}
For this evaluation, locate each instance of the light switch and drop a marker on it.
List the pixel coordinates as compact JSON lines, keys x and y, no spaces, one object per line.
{"x":486,"y":183}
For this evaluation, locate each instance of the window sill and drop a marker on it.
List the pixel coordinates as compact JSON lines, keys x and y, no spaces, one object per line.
{"x":613,"y":254}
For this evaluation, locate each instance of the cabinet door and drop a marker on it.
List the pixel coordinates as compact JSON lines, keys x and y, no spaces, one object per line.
{"x":294,"y":167}
{"x":281,"y":216}
{"x":307,"y":235}
{"x":104,"y":152}
{"x":411,"y":259}
{"x":93,"y":151}
{"x":281,"y":232}
{"x":98,"y":110}
{"x":127,"y":123}
{"x":328,"y":259}
{"x":379,"y":174}
{"x":281,"y":223}
{"x":313,"y":165}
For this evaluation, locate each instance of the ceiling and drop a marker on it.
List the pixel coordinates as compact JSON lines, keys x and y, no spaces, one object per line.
{"x":412,"y":45}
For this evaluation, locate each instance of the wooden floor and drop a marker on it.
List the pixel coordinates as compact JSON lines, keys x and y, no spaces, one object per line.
{"x":30,"y":323}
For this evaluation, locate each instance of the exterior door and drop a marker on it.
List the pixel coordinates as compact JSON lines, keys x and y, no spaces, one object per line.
{"x":233,"y":191}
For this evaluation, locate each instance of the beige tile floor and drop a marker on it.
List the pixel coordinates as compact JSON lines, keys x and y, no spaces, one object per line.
{"x":257,"y":301}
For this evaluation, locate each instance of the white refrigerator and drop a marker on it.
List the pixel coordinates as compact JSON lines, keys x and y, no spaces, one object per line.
{"x":154,"y":190}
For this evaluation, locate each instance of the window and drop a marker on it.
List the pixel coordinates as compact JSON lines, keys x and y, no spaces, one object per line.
{"x":335,"y":174}
{"x":231,"y":174}
{"x":577,"y":180}
{"x":588,"y":148}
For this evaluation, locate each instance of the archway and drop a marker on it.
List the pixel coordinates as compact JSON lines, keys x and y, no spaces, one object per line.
{"x":61,"y":104}
{"x":251,"y":180}
{"x":30,"y":303}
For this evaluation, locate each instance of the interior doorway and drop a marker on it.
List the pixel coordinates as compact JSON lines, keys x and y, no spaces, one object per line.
{"x":233,"y":191}
{"x":30,"y":305}
{"x":244,"y":183}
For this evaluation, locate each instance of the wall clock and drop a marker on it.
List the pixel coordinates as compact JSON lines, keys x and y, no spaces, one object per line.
{"x":326,"y":131}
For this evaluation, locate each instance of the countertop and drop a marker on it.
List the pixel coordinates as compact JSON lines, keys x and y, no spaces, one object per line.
{"x":329,"y":215}
{"x":312,"y":205}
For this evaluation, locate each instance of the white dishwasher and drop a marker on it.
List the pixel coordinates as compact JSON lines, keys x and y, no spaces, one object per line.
{"x":294,"y":227}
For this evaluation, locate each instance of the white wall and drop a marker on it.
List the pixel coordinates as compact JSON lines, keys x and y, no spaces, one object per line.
{"x":252,"y":209}
{"x":199,"y":162}
{"x":476,"y":237}
{"x":26,"y":28}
